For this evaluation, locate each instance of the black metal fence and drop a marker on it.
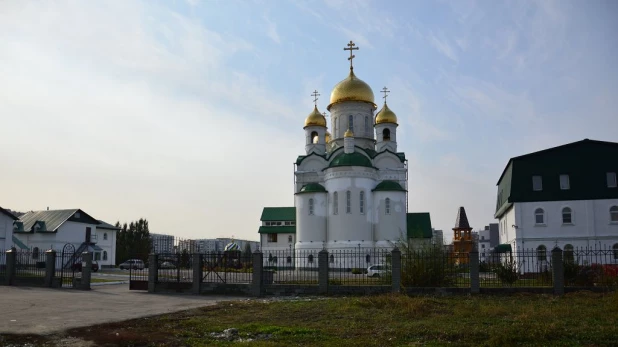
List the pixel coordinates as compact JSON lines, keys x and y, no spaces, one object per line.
{"x":2,"y":266}
{"x":521,"y":268}
{"x":291,"y":267}
{"x":590,"y":267}
{"x":435,"y":266}
{"x":359,"y":266}
{"x":175,"y":268}
{"x":29,"y":264}
{"x":227,"y":267}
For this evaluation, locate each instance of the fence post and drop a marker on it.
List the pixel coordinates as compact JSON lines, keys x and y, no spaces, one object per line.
{"x":86,"y":271}
{"x":50,"y":267}
{"x":557,"y":270}
{"x":396,"y":270}
{"x":323,"y":272}
{"x":11,"y":257}
{"x":197,"y":272}
{"x":256,"y":279}
{"x":475,"y":281}
{"x":153,"y":272}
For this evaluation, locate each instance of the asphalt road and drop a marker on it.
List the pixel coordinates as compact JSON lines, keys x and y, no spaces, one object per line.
{"x":45,"y":310}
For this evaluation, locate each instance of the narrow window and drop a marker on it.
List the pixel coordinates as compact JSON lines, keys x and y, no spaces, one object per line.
{"x":335,"y":203}
{"x":311,"y":207}
{"x":362,"y":202}
{"x":104,"y":255}
{"x":387,"y":206}
{"x":35,"y":253}
{"x":366,"y":124}
{"x":310,"y":258}
{"x":611,"y":180}
{"x":613,"y":214}
{"x":105,"y":236}
{"x":288,"y":260}
{"x":541,"y":253}
{"x":615,"y":251}
{"x":567,"y":215}
{"x":537,"y":183}
{"x":348,"y":198}
{"x":314,"y":137}
{"x":568,"y":253}
{"x":539,"y":216}
{"x":386,"y":135}
{"x":290,"y":239}
{"x":351,"y":123}
{"x":564,"y":182}
{"x":336,"y":126}
{"x":331,"y":259}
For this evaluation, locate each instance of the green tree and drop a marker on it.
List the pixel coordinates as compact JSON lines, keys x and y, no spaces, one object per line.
{"x":133,"y":241}
{"x":246,"y":254}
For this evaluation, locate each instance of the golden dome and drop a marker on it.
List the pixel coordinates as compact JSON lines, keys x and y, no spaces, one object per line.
{"x":315,"y":118}
{"x":348,"y":133}
{"x":386,"y":116}
{"x":327,"y":137}
{"x":351,"y":89}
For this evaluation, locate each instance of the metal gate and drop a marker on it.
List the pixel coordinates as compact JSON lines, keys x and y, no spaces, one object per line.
{"x":138,"y":273}
{"x":68,"y":265}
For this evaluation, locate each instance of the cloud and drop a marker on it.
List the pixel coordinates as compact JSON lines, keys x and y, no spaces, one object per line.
{"x":443,"y":46}
{"x":355,"y":36}
{"x":271,"y":31}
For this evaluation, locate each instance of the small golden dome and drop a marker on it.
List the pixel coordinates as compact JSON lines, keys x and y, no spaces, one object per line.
{"x":315,"y":118}
{"x":327,"y":137}
{"x":348,"y":133}
{"x":386,"y":116}
{"x":351,"y":89}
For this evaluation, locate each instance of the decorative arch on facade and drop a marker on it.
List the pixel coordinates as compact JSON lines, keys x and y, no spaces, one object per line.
{"x":613,"y":214}
{"x":386,"y":134}
{"x":567,"y":215}
{"x":539,"y":216}
{"x":541,"y":253}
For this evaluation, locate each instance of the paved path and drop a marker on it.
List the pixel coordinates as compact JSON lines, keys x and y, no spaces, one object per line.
{"x":27,"y":310}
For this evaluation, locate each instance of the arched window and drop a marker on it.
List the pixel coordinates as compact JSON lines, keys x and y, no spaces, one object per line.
{"x":541,"y":253}
{"x":35,"y":253}
{"x":539,"y":216}
{"x":613,"y":214}
{"x":351,"y":123}
{"x":104,"y":255}
{"x":290,"y":238}
{"x":331,"y":259}
{"x":368,"y":258}
{"x":270,"y":257}
{"x":386,"y":135}
{"x":311,"y":207}
{"x":310,"y":258}
{"x":335,"y":203}
{"x":567,"y":215}
{"x":348,"y":198}
{"x":366,"y":124}
{"x":615,"y":251}
{"x":314,"y":137}
{"x":568,"y":253}
{"x":362,"y":202}
{"x":387,"y":206}
{"x":105,"y":236}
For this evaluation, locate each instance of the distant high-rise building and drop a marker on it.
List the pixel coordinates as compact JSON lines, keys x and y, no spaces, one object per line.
{"x":437,"y":237}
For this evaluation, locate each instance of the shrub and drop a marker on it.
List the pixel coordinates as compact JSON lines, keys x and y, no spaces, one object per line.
{"x":507,"y":272}
{"x":426,"y":267}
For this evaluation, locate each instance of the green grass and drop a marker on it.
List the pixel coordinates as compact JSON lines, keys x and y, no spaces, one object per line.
{"x":104,"y":280}
{"x":584,"y":318}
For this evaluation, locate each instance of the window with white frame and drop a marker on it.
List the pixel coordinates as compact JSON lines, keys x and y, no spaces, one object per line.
{"x":567,"y":215}
{"x":311,"y":207}
{"x":351,"y":123}
{"x":362,"y":202}
{"x":348,"y":202}
{"x":335,"y":203}
{"x":537,"y":183}
{"x":541,"y":253}
{"x":539,"y":216}
{"x":615,"y":251}
{"x":289,"y":238}
{"x":366,"y":124}
{"x":613,"y":214}
{"x":568,"y":254}
{"x":272,"y":238}
{"x":564,"y":182}
{"x":387,"y":206}
{"x":611,"y":180}
{"x":104,"y":236}
{"x":104,"y":255}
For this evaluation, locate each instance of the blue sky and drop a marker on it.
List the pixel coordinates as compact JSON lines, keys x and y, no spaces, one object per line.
{"x":190,"y":113}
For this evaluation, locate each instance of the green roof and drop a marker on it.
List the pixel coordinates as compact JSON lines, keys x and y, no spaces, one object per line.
{"x":585,"y":162}
{"x":55,"y":218}
{"x":503,"y":248}
{"x":303,"y":157}
{"x":286,"y":229}
{"x":350,"y":159}
{"x":386,"y":186}
{"x":419,"y":225}
{"x":278,"y":214}
{"x":312,"y":188}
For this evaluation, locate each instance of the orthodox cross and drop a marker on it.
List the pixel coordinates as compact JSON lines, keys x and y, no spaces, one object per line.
{"x":385,"y":91}
{"x":351,"y":48}
{"x":315,"y":97}
{"x":323,"y":114}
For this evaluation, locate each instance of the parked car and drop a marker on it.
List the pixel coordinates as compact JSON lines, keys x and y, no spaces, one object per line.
{"x":376,"y":270}
{"x":167,"y":265}
{"x":135,"y":264}
{"x":77,"y":266}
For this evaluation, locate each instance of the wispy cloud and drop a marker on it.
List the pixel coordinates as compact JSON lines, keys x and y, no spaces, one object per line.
{"x":443,"y":46}
{"x":271,"y":30}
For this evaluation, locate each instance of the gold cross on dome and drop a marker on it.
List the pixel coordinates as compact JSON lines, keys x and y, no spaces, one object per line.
{"x":351,"y":48}
{"x":315,"y":95}
{"x":324,"y":114}
{"x":385,"y":91}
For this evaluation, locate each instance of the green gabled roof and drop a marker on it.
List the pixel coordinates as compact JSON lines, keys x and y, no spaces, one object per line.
{"x":401,"y":156}
{"x":278,"y":214}
{"x":55,"y":218}
{"x":286,"y":229}
{"x":388,"y":186}
{"x":351,"y":159}
{"x":312,"y":188}
{"x":303,"y":157}
{"x":419,"y":225}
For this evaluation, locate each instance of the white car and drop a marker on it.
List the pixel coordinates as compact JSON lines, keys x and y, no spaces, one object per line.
{"x":135,"y":264}
{"x":376,"y":270}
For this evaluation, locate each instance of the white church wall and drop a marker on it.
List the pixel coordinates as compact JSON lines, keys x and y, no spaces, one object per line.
{"x":6,"y":232}
{"x":312,"y":163}
{"x":311,"y":225}
{"x":389,"y":226}
{"x":387,"y":161}
{"x":361,"y":112}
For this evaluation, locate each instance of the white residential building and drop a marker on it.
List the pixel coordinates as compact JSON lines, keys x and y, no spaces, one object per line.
{"x":6,"y":229}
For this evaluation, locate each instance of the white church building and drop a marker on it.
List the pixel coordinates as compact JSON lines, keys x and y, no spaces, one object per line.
{"x":350,"y":184}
